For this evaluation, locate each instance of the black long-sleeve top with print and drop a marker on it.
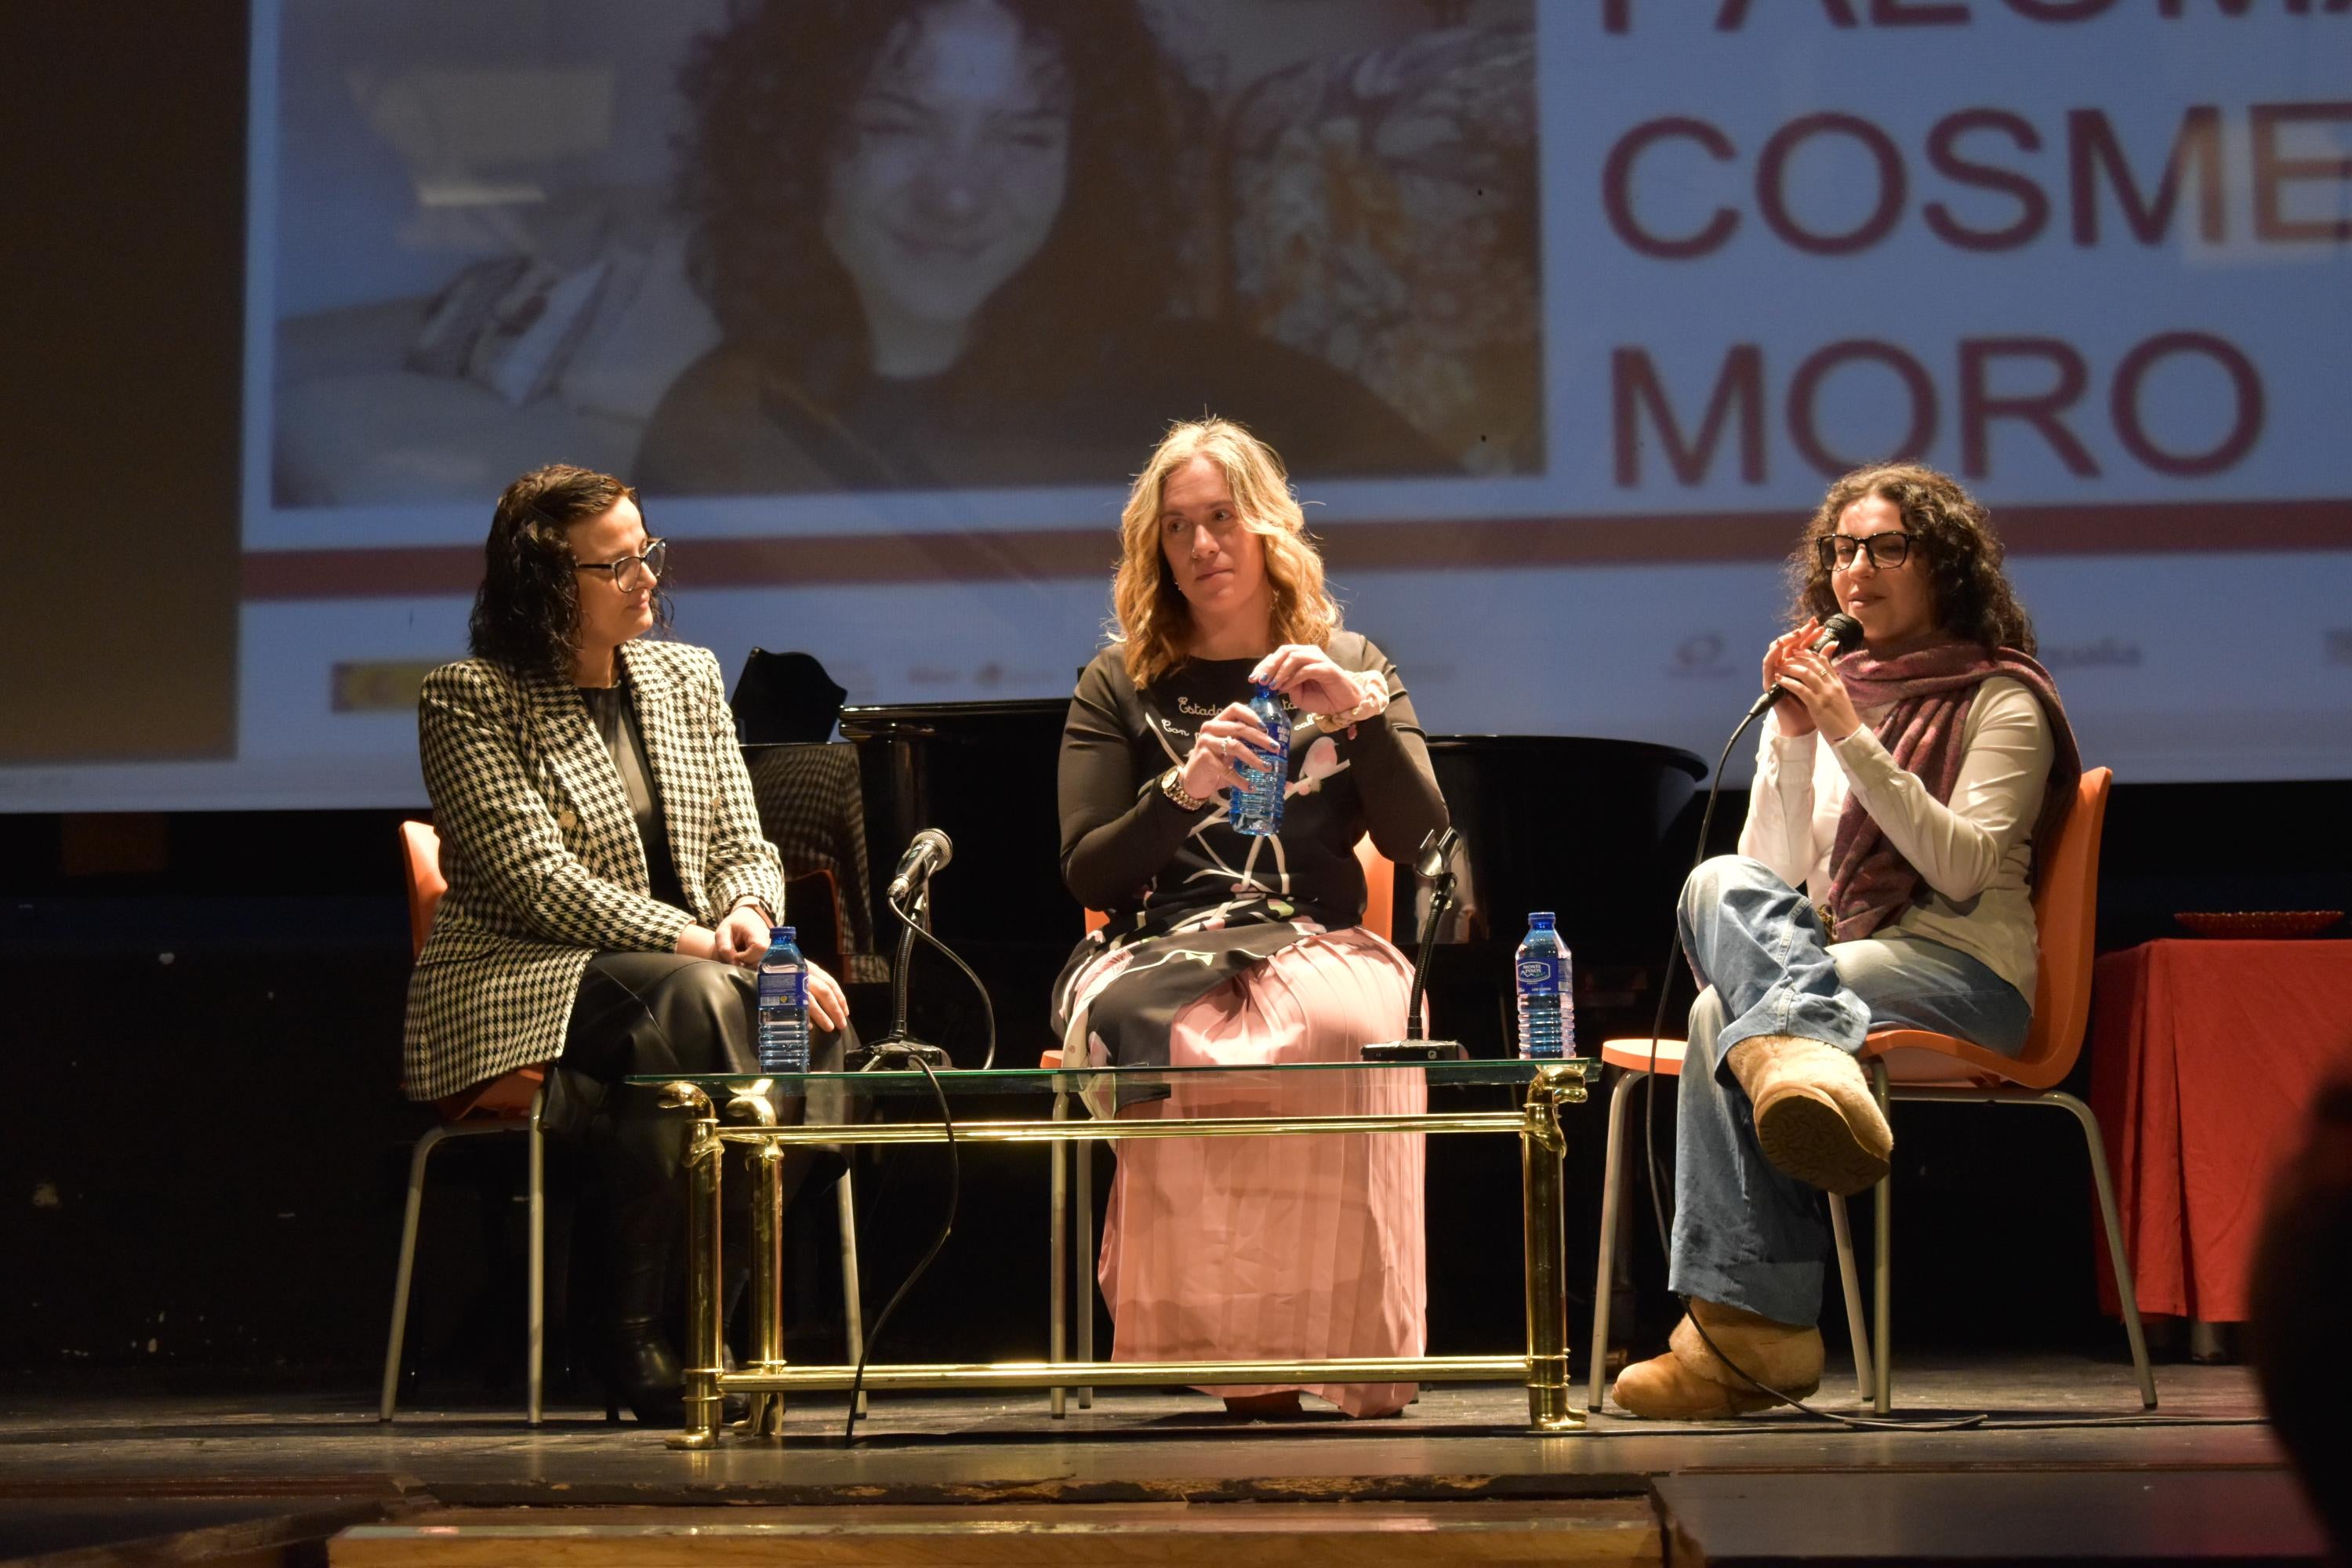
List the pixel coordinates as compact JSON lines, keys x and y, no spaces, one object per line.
{"x":1130,"y":851}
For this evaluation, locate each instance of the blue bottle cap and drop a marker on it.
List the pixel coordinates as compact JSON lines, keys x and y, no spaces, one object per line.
{"x":1541,"y":918}
{"x":783,"y":933}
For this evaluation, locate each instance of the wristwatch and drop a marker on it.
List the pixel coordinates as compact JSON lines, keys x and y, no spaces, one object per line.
{"x":1172,"y":785}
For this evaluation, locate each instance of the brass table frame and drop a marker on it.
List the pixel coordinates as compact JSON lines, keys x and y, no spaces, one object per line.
{"x":767,"y":1378}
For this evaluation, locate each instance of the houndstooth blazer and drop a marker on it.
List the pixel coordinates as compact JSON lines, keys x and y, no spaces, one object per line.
{"x":541,"y":852}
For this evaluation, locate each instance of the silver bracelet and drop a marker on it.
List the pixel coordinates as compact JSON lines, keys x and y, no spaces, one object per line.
{"x":1373,"y":705}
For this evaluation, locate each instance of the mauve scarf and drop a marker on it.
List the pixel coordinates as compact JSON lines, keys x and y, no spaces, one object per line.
{"x":1931,"y":689}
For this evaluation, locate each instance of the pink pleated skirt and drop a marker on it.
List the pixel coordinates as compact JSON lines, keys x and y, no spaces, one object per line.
{"x":1289,"y":1248}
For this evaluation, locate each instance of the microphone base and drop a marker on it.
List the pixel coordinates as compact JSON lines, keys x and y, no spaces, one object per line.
{"x":889,"y":1055}
{"x":1416,"y":1051}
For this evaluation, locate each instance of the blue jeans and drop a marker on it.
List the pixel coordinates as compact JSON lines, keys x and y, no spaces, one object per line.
{"x":1745,"y":1235}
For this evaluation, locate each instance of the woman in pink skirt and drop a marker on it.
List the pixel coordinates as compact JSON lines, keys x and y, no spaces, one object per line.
{"x":1222,"y":949}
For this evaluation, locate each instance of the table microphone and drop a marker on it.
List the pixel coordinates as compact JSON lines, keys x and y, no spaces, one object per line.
{"x":1836,"y":632}
{"x":1433,"y":863}
{"x":910,"y":898}
{"x":929,"y":852}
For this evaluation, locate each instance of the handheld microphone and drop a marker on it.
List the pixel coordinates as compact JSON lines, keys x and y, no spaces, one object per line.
{"x":929,"y":852}
{"x":1835,"y":632}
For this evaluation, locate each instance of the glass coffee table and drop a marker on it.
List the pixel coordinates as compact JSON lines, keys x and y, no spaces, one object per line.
{"x":1035,"y":1105}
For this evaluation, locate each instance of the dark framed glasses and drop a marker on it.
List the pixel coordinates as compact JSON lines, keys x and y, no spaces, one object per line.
{"x":1885,"y":549}
{"x":630,"y":572}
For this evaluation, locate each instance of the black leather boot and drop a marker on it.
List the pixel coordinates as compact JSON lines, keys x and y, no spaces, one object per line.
{"x":641,"y":1366}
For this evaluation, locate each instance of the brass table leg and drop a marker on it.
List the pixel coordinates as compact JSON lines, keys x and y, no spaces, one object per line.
{"x":1541,"y":1146}
{"x":766,"y":1417}
{"x":703,"y":1305}
{"x":1057,"y":1261}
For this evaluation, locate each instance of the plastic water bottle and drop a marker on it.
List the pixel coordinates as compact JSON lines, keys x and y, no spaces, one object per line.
{"x":1547,"y":981}
{"x":1256,"y":809}
{"x":784,"y":1004}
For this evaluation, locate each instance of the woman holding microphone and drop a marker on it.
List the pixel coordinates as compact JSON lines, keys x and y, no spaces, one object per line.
{"x":1903,"y":786}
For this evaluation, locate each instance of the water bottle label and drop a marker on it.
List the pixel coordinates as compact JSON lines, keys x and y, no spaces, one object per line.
{"x":1538,"y":972}
{"x":1257,"y":808}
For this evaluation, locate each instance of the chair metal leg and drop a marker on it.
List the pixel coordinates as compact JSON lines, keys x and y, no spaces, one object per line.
{"x":1604,"y":1271}
{"x":853,"y":1309}
{"x":2127,"y":1289}
{"x":401,"y":1278}
{"x":1882,"y":1266}
{"x":1058,"y":1266}
{"x":1849,"y":1278}
{"x":535,"y":1331}
{"x":1082,"y":1156}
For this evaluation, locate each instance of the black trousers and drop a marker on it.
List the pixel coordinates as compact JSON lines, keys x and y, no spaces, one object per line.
{"x":663,"y":1015}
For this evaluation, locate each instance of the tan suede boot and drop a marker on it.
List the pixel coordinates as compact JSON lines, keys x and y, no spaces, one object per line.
{"x":1691,"y":1383}
{"x":1816,"y":1119}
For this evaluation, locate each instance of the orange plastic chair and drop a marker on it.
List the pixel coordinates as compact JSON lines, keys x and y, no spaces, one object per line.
{"x":1380,"y":917}
{"x":1919,"y":1065}
{"x":509,"y":1103}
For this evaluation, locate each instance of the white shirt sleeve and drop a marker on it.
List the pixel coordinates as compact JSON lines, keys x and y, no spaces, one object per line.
{"x":1957,"y":848}
{"x":1780,"y":826}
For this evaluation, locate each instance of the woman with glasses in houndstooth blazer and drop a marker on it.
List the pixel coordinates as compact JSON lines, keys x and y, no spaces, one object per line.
{"x":610,"y":893}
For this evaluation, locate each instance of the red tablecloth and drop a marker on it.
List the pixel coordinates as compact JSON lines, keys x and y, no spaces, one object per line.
{"x":2205,"y":1054}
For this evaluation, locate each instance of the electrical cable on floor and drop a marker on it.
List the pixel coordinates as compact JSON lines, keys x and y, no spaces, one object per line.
{"x":955,"y":1157}
{"x":1748,"y":1426}
{"x":947,"y":1224}
{"x":1657,"y":1182}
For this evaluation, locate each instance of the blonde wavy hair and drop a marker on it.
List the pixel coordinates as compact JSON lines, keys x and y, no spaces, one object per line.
{"x":1149,"y":617}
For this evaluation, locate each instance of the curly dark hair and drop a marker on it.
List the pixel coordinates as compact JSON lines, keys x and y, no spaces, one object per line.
{"x":772,"y":93}
{"x":527,"y":611}
{"x":1951,"y":536}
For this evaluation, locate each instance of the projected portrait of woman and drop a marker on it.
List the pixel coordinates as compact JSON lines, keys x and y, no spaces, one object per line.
{"x":939,"y":237}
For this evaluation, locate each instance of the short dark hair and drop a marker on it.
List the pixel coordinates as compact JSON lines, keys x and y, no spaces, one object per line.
{"x":1951,"y":536}
{"x":772,"y":93}
{"x":527,"y":611}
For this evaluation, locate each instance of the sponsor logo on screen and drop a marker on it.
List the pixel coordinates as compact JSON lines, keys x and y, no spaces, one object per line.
{"x":1702,"y":655}
{"x":379,"y":686}
{"x":2107,"y":653}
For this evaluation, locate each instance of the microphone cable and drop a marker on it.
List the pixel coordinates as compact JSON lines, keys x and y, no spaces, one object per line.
{"x":987,"y":1007}
{"x":1657,"y":1182}
{"x":947,"y":1226}
{"x":955,"y":1164}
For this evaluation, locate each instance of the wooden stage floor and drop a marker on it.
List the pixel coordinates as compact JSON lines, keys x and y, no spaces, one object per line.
{"x":80,"y":1470}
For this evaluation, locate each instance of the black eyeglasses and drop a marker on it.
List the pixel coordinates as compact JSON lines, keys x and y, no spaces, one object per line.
{"x":1886,"y":549}
{"x":630,"y":571}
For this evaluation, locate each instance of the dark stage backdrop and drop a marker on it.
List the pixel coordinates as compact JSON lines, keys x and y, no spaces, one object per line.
{"x":203,"y":1148}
